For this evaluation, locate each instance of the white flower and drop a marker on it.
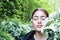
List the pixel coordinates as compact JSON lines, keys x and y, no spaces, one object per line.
{"x":53,"y":23}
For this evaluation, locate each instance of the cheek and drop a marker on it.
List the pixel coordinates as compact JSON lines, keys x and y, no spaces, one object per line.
{"x":34,"y":23}
{"x":43,"y":23}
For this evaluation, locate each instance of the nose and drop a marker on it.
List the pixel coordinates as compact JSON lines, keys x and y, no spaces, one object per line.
{"x":39,"y":21}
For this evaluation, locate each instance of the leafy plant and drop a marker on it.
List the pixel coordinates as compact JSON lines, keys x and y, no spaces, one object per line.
{"x":52,"y":28}
{"x":5,"y":36}
{"x":15,"y":29}
{"x":21,"y":9}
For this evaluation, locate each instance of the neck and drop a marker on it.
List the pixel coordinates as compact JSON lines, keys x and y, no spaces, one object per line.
{"x":38,"y":35}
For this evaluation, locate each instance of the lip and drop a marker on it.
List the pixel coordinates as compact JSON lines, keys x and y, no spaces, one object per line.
{"x":39,"y":26}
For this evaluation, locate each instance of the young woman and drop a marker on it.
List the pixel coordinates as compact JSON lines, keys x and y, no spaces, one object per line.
{"x":38,"y":17}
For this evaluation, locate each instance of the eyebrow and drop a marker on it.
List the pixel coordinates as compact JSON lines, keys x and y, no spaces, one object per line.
{"x":35,"y":16}
{"x":41,"y":16}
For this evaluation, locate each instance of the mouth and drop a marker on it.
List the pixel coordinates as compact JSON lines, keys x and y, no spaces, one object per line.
{"x":39,"y":26}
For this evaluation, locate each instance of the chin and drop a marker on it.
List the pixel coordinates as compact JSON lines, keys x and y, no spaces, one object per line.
{"x":38,"y":30}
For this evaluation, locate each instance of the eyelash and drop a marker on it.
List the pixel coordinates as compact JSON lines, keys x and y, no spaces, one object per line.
{"x":43,"y":19}
{"x":35,"y":19}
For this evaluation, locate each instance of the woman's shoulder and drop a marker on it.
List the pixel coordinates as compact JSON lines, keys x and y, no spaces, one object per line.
{"x":28,"y":35}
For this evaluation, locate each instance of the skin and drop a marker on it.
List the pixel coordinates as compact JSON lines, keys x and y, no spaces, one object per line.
{"x":38,"y":20}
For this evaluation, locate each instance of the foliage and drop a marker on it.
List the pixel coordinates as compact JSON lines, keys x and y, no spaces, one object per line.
{"x":15,"y":29}
{"x":21,"y":9}
{"x":43,"y":4}
{"x":52,"y":28}
{"x":15,"y":12}
{"x":5,"y":36}
{"x":55,"y":4}
{"x":7,"y":8}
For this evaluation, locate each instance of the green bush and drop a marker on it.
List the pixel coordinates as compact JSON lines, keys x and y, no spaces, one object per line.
{"x":15,"y":29}
{"x":21,"y":9}
{"x":5,"y":36}
{"x":52,"y":28}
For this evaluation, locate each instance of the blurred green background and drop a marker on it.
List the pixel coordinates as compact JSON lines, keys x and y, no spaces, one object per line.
{"x":15,"y":16}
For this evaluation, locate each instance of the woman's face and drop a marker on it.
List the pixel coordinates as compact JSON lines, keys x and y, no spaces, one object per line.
{"x":38,"y":20}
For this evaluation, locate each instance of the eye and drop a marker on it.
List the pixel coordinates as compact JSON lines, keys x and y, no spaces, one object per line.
{"x":35,"y":19}
{"x":43,"y":19}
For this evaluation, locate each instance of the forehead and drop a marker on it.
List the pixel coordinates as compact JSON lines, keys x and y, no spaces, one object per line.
{"x":39,"y":14}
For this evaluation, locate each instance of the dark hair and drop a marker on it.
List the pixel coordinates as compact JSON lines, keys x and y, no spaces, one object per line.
{"x":40,"y":10}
